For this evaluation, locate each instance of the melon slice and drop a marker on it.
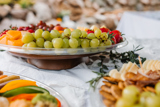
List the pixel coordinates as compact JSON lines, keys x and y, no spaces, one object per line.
{"x":15,"y":42}
{"x":3,"y":40}
{"x":13,"y":35}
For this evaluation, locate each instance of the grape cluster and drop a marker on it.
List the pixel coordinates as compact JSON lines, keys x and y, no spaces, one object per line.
{"x":131,"y":97}
{"x":67,"y":39}
{"x":32,"y":28}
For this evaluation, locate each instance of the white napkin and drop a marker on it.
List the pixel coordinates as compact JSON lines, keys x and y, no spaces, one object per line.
{"x":141,"y":25}
{"x":70,"y":83}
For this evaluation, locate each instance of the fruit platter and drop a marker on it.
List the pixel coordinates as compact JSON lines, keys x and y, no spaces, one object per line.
{"x":20,"y":91}
{"x":56,"y":47}
{"x":132,"y":86}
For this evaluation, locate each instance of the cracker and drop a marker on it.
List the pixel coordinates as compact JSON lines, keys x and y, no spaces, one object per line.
{"x":108,"y":103}
{"x":151,"y":89}
{"x":106,"y":89}
{"x":107,"y":95}
{"x":112,"y":79}
{"x":121,"y":85}
{"x":116,"y":91}
{"x":108,"y":84}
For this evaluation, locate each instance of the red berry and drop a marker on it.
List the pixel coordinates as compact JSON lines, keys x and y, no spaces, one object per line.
{"x":114,"y":41}
{"x":26,"y":28}
{"x":4,"y":32}
{"x":44,"y":28}
{"x":116,"y":34}
{"x":31,"y":30}
{"x":40,"y":22}
{"x":40,"y":27}
{"x":90,"y":31}
{"x":104,"y":30}
{"x":58,"y":25}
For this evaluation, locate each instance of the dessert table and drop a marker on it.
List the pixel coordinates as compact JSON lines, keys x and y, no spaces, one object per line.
{"x":71,"y":83}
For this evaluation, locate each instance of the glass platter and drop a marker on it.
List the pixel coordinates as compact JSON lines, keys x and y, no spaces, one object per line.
{"x":52,"y":91}
{"x":62,"y":51}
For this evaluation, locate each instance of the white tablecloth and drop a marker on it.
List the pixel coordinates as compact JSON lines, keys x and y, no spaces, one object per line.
{"x":70,"y":83}
{"x":140,"y":24}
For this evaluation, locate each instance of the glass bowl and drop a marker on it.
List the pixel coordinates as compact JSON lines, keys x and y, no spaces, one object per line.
{"x":52,"y":91}
{"x":62,"y":51}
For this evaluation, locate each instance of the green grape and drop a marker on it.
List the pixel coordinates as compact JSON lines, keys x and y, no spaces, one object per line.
{"x":79,"y":31}
{"x":46,"y":35}
{"x":49,"y":39}
{"x":104,"y":36}
{"x":108,"y":42}
{"x":65,"y":43}
{"x":85,"y":43}
{"x":75,"y":34}
{"x":91,"y":36}
{"x":79,"y":42}
{"x":57,"y":43}
{"x":131,"y":92}
{"x":38,"y":33}
{"x":94,"y":43}
{"x":157,"y":88}
{"x":40,"y":42}
{"x":25,"y":45}
{"x":138,"y":105}
{"x":34,"y":35}
{"x":97,"y":33}
{"x":122,"y":102}
{"x":31,"y":45}
{"x":84,"y":34}
{"x":28,"y":37}
{"x":102,"y":44}
{"x":153,"y":101}
{"x":73,"y":43}
{"x":62,"y":35}
{"x":144,"y":95}
{"x":55,"y":34}
{"x":67,"y":32}
{"x":48,"y":44}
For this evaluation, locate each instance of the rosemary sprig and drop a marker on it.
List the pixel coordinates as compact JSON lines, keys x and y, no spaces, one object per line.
{"x":115,"y":57}
{"x":93,"y":83}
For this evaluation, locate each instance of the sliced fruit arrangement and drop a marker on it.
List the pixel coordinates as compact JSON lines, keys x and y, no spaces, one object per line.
{"x":133,"y":86}
{"x":15,"y":92}
{"x":45,"y":36}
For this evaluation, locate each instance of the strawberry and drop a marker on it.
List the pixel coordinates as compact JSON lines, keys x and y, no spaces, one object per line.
{"x":31,"y":30}
{"x":4,"y":32}
{"x":104,"y":30}
{"x":116,"y":34}
{"x":113,"y":41}
{"x":26,"y":28}
{"x":89,"y":31}
{"x":20,"y":28}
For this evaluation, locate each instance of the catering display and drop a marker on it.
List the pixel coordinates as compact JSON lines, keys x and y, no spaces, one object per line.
{"x":44,"y":44}
{"x":44,"y":36}
{"x":133,"y":86}
{"x":19,"y":91}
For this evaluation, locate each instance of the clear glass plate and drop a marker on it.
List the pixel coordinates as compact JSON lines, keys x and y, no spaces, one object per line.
{"x":52,"y":91}
{"x":62,"y":51}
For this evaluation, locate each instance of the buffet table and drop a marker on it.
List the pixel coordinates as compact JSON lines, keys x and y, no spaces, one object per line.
{"x":71,"y":83}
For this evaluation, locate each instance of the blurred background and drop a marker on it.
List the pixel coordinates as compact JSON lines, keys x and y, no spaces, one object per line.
{"x":71,"y":13}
